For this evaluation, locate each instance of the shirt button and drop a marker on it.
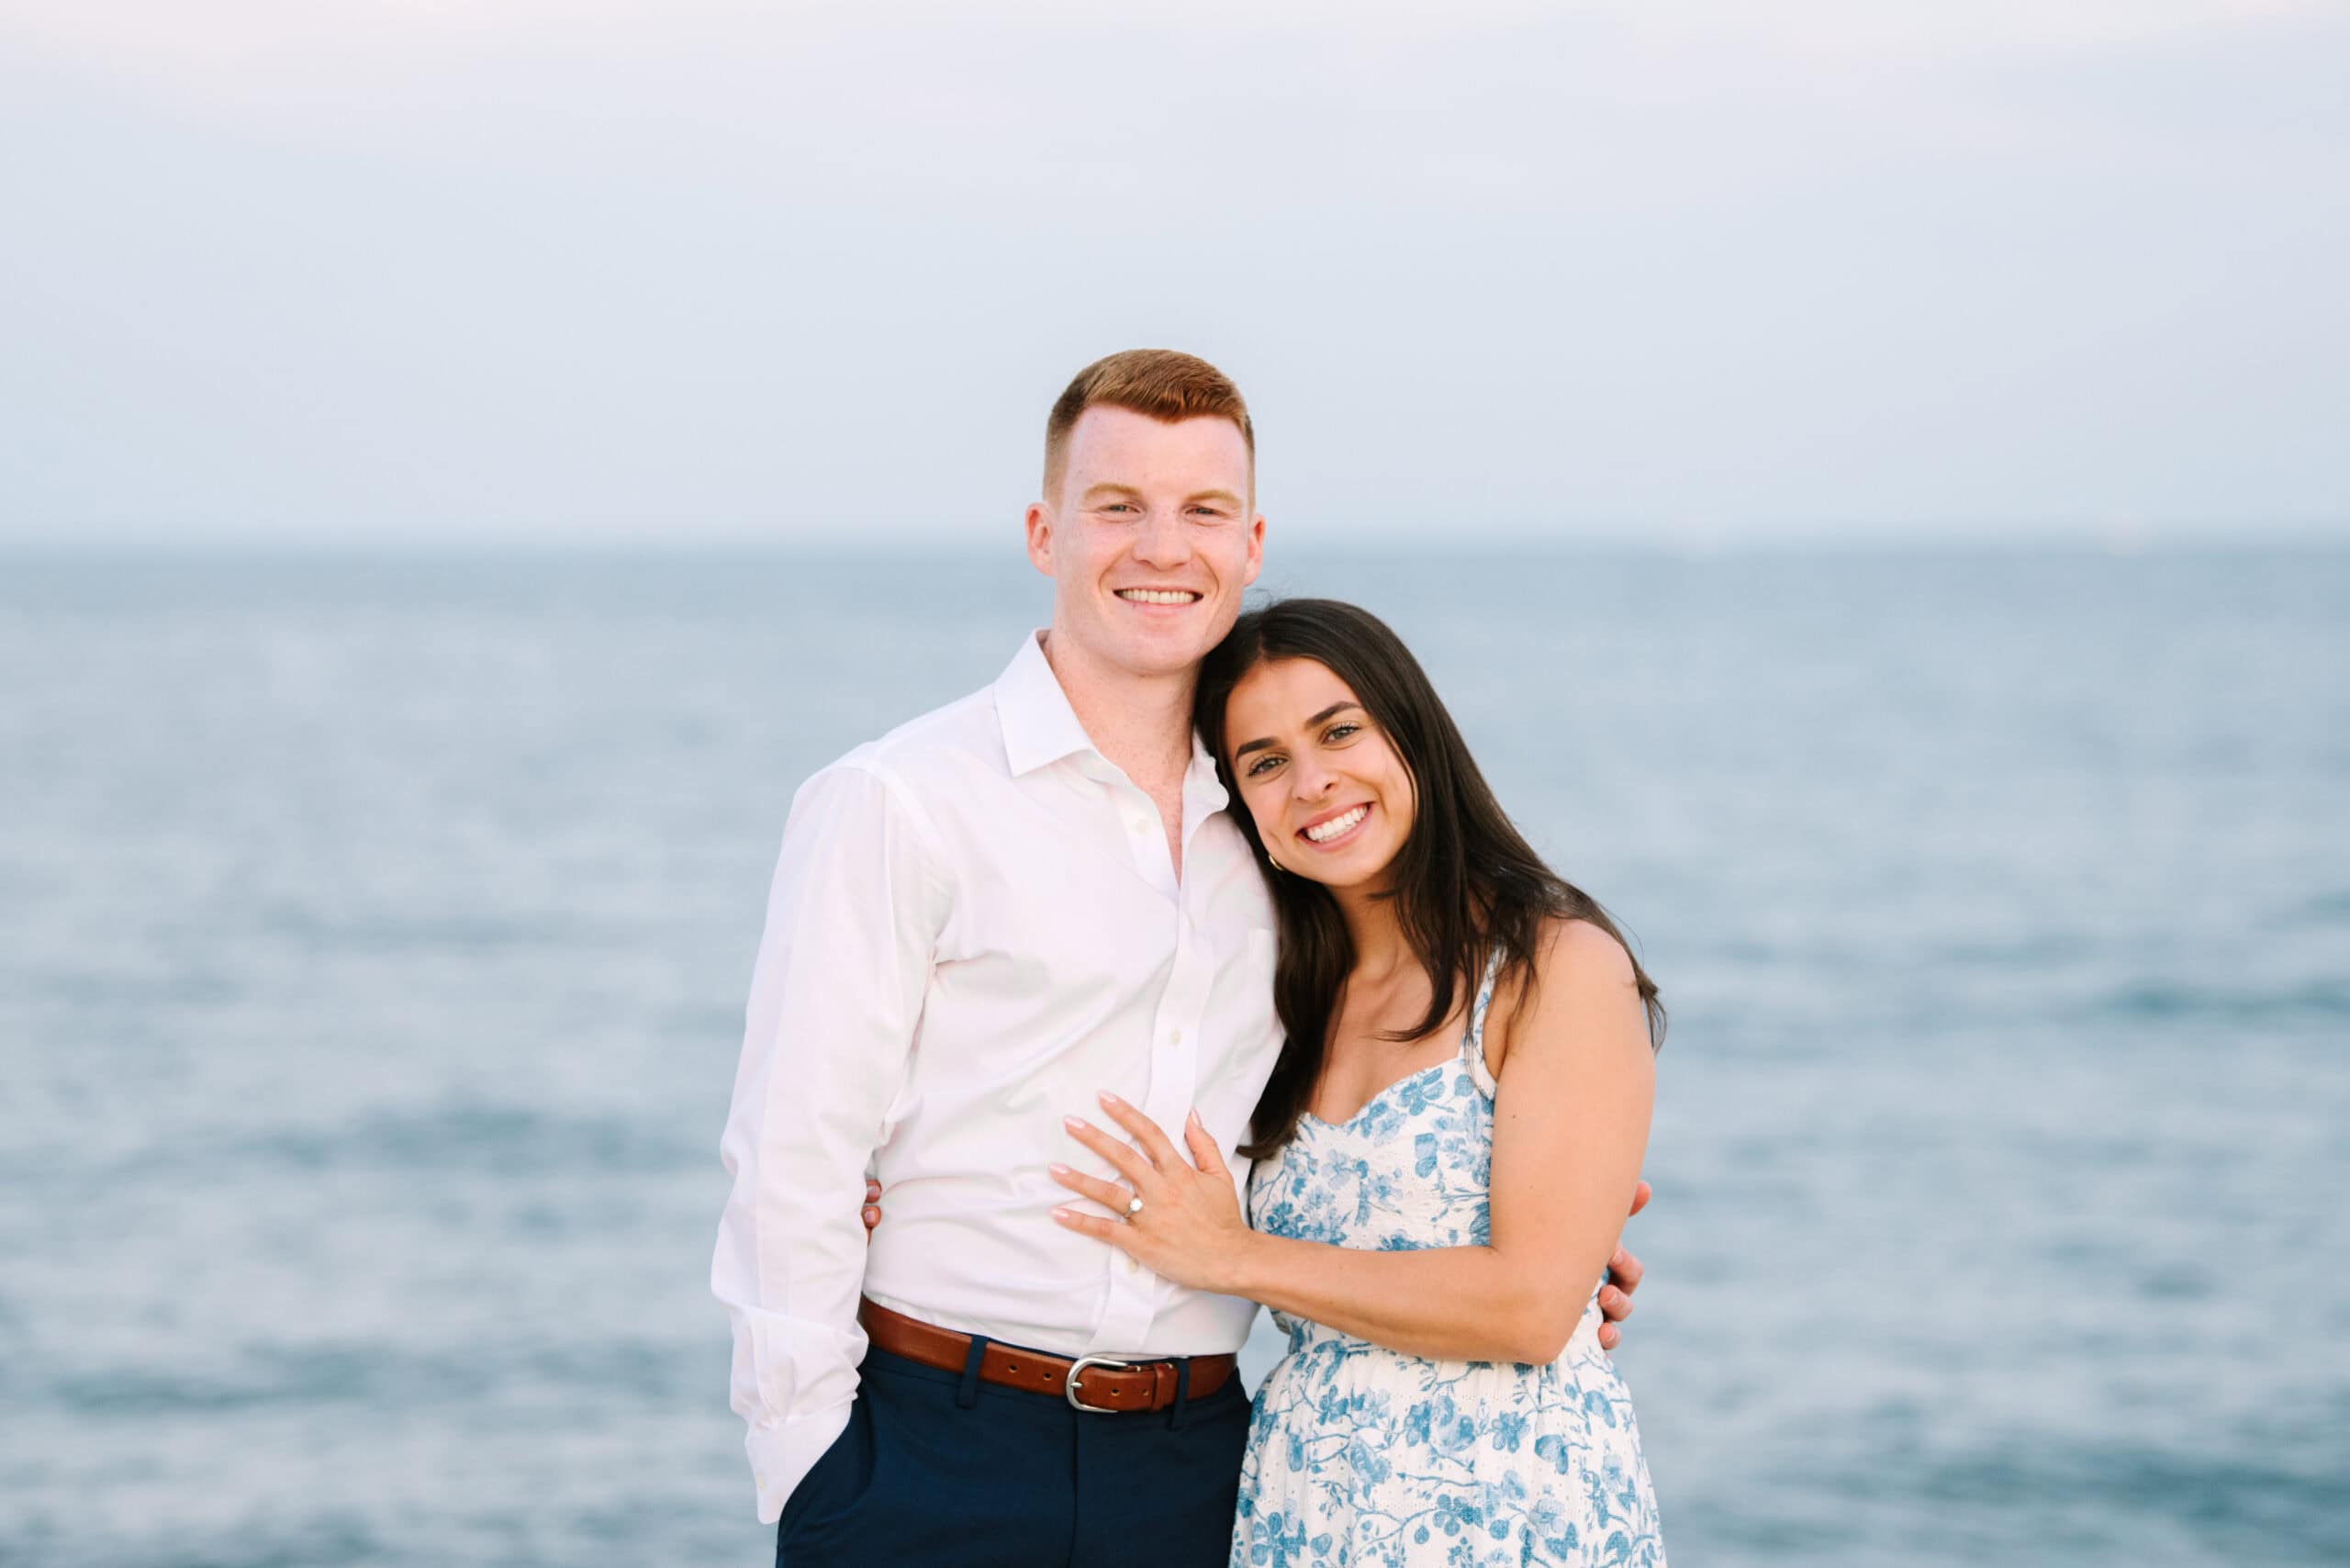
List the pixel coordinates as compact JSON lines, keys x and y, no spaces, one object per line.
{"x":1174,"y":1036}
{"x":1133,"y":1267}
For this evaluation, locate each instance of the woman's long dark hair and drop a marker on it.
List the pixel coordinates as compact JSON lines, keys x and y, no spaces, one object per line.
{"x":1465,"y":883}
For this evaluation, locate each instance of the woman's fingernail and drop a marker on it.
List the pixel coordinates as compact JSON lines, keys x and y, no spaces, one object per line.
{"x":1063,"y":1214}
{"x":1195,"y":1118}
{"x":1057,"y":1169}
{"x":1110,"y":1099}
{"x":1074,"y":1123}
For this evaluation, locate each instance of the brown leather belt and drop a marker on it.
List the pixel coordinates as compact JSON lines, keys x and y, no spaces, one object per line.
{"x":1100,"y":1383}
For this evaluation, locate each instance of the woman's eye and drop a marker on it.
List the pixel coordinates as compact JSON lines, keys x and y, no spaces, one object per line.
{"x":1340,"y":732}
{"x":1262,"y":766}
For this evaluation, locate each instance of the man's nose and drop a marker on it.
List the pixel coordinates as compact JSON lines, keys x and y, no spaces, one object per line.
{"x":1164,"y":542}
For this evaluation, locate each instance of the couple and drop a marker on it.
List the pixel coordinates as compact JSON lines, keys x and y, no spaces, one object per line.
{"x":1183,"y":890}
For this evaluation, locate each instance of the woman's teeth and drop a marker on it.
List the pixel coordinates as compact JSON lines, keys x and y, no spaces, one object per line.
{"x":1156,"y":596}
{"x":1323,"y":833}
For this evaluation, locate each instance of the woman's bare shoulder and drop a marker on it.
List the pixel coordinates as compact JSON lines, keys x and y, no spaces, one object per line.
{"x":1577,"y":971}
{"x":1576,"y":952}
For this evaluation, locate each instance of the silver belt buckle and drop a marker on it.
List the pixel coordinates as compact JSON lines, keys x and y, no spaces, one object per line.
{"x":1068,"y":1385}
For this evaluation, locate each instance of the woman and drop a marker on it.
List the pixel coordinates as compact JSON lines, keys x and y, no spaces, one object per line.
{"x":1444,"y":1153}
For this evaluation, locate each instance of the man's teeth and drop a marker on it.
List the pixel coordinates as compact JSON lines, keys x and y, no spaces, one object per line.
{"x":1156,"y":596}
{"x":1327,"y":831}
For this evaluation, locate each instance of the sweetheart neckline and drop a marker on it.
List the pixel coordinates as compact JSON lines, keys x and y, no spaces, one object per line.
{"x":1472,"y":1034}
{"x":1364,"y":1109}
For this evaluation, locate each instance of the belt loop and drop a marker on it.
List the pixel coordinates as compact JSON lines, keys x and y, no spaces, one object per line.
{"x":1182,"y":1417}
{"x":967,"y":1396}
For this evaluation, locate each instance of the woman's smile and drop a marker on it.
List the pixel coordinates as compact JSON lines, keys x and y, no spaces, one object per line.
{"x":1334,"y":828}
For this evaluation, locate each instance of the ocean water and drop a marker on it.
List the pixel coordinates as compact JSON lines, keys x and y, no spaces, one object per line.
{"x":374,"y":936}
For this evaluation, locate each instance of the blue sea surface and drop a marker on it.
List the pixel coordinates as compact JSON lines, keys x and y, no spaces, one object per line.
{"x":374,"y":936}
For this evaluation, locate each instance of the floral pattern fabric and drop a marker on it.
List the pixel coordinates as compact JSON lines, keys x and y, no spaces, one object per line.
{"x":1362,"y":1457}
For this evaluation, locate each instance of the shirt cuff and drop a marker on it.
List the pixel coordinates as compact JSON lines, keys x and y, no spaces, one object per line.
{"x":782,"y":1455}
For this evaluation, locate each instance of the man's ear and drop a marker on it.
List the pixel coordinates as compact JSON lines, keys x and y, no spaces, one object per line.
{"x":1038,"y":521}
{"x":1256,"y":549}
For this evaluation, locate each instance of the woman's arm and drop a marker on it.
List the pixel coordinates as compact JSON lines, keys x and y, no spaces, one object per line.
{"x":1570,"y":1125}
{"x":1625,"y":1270}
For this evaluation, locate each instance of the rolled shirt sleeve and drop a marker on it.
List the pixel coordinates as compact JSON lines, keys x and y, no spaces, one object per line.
{"x":857,"y":903}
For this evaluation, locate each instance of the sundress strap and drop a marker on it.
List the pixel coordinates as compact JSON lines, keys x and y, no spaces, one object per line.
{"x":1472,"y":1038}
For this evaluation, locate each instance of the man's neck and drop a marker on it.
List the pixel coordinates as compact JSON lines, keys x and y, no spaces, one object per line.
{"x":1143,"y":724}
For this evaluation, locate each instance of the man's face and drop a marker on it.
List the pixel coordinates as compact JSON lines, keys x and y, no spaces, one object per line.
{"x":1149,"y":537}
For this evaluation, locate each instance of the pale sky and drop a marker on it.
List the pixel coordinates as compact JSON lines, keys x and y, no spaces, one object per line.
{"x":386,"y":271}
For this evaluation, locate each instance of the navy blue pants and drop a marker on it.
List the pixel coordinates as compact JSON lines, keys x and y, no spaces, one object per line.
{"x":939,"y":1468}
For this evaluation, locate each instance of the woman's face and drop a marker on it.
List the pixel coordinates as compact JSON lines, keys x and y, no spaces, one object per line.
{"x":1331,"y":799}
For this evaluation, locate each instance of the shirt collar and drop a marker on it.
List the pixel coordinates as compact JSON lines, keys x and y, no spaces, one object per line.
{"x":1039,"y":726}
{"x":1203,"y":792}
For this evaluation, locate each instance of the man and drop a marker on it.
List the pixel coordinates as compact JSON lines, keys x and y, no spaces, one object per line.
{"x":977,"y":923}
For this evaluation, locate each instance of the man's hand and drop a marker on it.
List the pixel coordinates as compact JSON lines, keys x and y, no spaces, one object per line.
{"x":1624,"y":1272}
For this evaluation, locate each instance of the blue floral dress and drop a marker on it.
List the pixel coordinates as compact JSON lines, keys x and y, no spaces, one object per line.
{"x":1363,"y":1456}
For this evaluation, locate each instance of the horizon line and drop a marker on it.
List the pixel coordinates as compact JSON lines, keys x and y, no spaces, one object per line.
{"x":2113,"y":539}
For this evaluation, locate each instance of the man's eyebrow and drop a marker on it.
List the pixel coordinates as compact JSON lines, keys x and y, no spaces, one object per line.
{"x":1106,"y":488}
{"x":1226,"y":497}
{"x":1333,"y":710}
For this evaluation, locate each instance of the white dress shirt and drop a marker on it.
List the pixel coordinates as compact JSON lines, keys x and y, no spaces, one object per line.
{"x":975,"y":925}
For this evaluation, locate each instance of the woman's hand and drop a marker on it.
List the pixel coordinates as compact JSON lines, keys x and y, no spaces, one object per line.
{"x":1623,"y":1270}
{"x":1190,"y":1228}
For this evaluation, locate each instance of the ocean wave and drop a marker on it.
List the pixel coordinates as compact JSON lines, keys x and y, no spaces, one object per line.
{"x":2324,"y":999}
{"x":503,"y":1140}
{"x":379,"y":1376}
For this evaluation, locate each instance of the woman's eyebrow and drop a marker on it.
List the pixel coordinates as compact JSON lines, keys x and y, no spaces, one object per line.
{"x":1331,"y":711}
